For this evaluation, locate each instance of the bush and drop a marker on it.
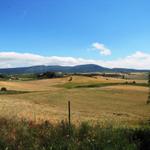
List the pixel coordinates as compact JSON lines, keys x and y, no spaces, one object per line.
{"x":50,"y":75}
{"x":148,"y":100}
{"x":134,"y":82}
{"x":3,"y":89}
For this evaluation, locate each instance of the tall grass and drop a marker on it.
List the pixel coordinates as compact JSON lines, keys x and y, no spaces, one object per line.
{"x":27,"y":135}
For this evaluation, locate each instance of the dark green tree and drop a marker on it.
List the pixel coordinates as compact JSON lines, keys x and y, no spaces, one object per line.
{"x":148,"y":100}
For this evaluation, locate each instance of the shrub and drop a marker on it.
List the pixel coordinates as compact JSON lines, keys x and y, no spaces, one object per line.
{"x":148,"y":100}
{"x":3,"y":89}
{"x":134,"y":82}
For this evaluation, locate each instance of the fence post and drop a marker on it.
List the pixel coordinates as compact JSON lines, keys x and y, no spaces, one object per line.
{"x":69,"y":117}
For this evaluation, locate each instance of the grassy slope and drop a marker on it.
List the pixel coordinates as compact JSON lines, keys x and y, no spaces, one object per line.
{"x":120,"y":104}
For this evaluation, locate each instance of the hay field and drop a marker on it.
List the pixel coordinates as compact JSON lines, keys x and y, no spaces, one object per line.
{"x":47,"y":100}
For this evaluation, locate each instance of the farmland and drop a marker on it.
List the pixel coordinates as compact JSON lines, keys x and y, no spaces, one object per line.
{"x":94,"y":99}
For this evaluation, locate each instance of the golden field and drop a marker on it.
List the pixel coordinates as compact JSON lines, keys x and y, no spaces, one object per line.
{"x":47,"y":100}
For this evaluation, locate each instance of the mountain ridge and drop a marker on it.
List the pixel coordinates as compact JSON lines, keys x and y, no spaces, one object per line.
{"x":86,"y":68}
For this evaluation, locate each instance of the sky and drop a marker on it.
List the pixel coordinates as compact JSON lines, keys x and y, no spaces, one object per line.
{"x":110,"y":33}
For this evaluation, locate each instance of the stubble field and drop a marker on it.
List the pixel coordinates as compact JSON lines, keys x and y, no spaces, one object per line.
{"x":106,"y":100}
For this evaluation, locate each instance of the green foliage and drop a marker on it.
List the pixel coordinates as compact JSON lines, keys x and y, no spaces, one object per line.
{"x":49,"y":75}
{"x":149,"y":79}
{"x":25,"y":135}
{"x":148,"y":99}
{"x":4,"y":77}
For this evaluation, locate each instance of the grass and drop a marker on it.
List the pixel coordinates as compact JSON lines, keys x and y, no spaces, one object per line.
{"x":107,"y":101}
{"x":71,"y":85}
{"x":25,"y":135}
{"x":106,"y":114}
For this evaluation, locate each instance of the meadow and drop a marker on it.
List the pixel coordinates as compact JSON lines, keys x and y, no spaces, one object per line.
{"x":28,"y":135}
{"x":93,"y":99}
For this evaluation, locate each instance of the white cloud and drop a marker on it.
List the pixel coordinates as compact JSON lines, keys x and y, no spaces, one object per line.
{"x":101,"y":48}
{"x":138,"y":60}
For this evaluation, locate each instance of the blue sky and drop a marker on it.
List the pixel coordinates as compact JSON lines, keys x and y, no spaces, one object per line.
{"x":71,"y":28}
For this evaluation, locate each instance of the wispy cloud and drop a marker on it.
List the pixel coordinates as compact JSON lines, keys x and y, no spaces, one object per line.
{"x":138,"y":60}
{"x":103,"y":50}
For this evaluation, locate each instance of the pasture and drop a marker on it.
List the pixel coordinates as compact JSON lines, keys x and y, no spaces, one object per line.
{"x":106,"y":100}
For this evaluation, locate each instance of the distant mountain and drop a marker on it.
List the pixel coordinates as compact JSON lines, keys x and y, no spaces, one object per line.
{"x":67,"y":69}
{"x":88,"y":68}
{"x":128,"y":70}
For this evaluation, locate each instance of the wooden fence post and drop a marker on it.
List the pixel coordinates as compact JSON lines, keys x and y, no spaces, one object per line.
{"x":69,"y":116}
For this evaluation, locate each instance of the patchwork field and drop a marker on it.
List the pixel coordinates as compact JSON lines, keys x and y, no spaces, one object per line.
{"x":92,"y":99}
